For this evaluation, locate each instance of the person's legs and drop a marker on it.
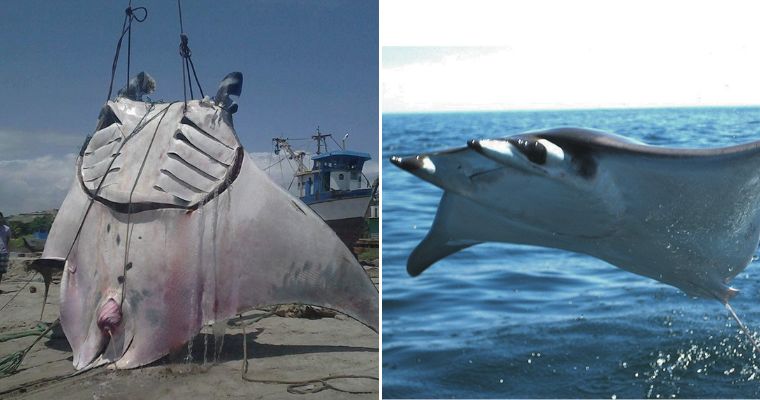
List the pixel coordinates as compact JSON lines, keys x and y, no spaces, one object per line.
{"x":3,"y":266}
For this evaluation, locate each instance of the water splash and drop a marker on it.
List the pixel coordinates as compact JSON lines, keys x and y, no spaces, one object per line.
{"x":732,"y":356}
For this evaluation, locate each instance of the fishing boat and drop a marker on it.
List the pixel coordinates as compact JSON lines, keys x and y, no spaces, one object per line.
{"x":335,"y":186}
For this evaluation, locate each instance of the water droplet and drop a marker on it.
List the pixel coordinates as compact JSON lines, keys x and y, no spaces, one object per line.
{"x":625,"y":364}
{"x":529,"y":361}
{"x":614,"y":397}
{"x":501,"y":380}
{"x":660,"y":361}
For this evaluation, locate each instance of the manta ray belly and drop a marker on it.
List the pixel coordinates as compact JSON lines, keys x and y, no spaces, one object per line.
{"x":180,"y":229}
{"x":160,"y":156}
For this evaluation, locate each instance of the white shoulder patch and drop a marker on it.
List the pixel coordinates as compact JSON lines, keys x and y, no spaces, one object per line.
{"x":553,"y":152}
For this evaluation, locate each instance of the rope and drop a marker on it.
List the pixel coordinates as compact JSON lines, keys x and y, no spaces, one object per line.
{"x":19,"y":334}
{"x":187,"y":61}
{"x":128,"y":11}
{"x":18,"y":292}
{"x":336,"y":143}
{"x":196,"y":77}
{"x":128,"y":239}
{"x":272,"y":165}
{"x":179,"y":6}
{"x":25,"y":387}
{"x":10,"y":363}
{"x":126,"y":28}
{"x":298,"y":387}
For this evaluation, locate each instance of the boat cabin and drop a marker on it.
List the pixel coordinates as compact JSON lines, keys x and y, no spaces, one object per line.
{"x":336,"y":174}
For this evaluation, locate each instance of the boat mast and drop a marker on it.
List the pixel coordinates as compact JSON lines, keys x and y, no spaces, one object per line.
{"x":298,"y":156}
{"x":321,"y":139}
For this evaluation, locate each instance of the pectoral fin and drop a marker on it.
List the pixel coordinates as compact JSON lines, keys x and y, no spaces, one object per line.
{"x":444,"y":238}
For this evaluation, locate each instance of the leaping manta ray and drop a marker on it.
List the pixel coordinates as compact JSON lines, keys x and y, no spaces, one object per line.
{"x":689,"y":218}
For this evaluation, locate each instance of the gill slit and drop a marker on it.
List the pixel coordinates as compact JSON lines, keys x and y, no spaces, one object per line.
{"x":137,"y":128}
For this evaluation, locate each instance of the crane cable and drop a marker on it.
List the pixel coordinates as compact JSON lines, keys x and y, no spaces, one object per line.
{"x":126,"y":29}
{"x":187,"y":61}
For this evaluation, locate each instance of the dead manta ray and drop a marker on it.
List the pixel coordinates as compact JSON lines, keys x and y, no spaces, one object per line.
{"x":170,"y":226}
{"x":687,"y":217}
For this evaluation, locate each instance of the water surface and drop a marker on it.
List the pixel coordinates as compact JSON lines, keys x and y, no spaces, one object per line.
{"x":502,"y":320}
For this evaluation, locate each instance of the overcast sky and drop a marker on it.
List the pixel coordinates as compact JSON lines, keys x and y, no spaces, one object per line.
{"x":507,"y":55}
{"x":305,"y":64}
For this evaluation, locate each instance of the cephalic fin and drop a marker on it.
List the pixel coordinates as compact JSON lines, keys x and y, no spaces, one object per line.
{"x":499,"y":150}
{"x":443,"y":239}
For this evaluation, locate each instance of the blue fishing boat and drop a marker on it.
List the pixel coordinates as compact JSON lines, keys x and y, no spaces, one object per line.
{"x":335,"y":186}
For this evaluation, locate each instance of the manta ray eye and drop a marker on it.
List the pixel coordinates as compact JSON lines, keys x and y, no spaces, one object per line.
{"x":532,"y":149}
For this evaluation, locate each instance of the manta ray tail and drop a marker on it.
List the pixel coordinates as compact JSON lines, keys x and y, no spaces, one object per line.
{"x":741,"y":325}
{"x":445,"y":236}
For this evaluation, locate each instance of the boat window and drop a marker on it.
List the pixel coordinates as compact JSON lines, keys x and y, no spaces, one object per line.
{"x":340,"y":177}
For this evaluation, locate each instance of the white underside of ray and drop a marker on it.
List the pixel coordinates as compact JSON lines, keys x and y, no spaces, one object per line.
{"x":172,"y":269}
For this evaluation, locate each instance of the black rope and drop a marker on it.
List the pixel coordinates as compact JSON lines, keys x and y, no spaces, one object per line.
{"x":179,"y":6}
{"x":197,"y":82}
{"x":128,"y":240}
{"x":186,"y":56}
{"x":126,"y":28}
{"x":184,"y":87}
{"x":187,"y":61}
{"x":116,"y":56}
{"x":128,"y":11}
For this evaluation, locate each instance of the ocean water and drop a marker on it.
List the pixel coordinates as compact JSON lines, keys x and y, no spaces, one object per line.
{"x":503,"y":320}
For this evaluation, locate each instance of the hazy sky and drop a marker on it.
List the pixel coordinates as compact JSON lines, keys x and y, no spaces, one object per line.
{"x":503,"y":55}
{"x":305,"y":63}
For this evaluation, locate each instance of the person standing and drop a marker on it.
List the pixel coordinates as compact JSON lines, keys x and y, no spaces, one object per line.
{"x":5,"y":238}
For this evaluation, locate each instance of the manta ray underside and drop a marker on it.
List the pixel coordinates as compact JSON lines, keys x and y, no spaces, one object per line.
{"x":687,"y":217}
{"x":170,"y":226}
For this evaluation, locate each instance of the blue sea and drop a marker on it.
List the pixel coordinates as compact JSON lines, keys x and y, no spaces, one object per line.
{"x":503,"y":320}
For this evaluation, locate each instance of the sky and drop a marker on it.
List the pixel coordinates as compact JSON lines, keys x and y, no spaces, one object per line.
{"x":510,"y":55}
{"x":305,"y":64}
